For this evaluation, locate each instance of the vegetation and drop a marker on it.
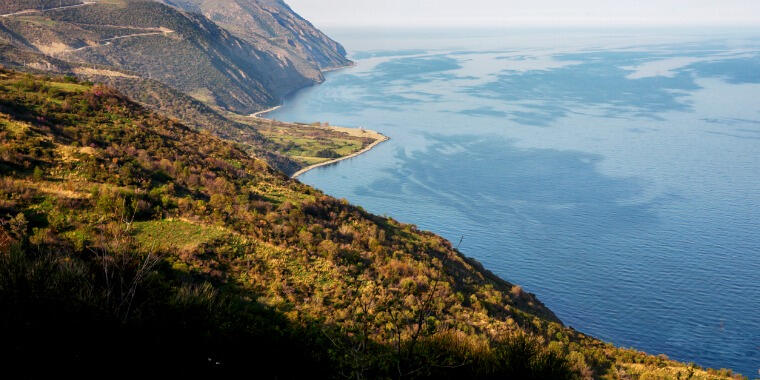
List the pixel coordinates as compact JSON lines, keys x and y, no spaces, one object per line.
{"x":228,"y":74}
{"x":157,"y":41}
{"x":127,"y":237}
{"x":308,"y":144}
{"x":272,"y":22}
{"x":11,"y":6}
{"x":285,"y":146}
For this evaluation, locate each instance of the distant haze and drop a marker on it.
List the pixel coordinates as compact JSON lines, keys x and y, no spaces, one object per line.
{"x":336,"y":13}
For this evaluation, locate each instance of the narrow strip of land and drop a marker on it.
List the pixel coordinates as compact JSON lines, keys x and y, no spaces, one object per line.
{"x":376,"y":137}
{"x":379,"y":139}
{"x":257,"y":115}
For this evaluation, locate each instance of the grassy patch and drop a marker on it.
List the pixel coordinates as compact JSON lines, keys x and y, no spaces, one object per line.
{"x":12,"y":126}
{"x":69,"y":87}
{"x":172,"y":234}
{"x":306,"y":143}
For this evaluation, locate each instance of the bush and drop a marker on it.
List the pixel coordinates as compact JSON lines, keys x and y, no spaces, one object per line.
{"x":327,"y":153}
{"x":38,"y":173}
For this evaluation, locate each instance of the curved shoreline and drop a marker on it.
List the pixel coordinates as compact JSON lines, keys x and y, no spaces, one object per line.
{"x":336,"y":68}
{"x":381,"y":139}
{"x":257,"y":115}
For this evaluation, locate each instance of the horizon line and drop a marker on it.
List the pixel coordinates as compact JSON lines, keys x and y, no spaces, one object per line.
{"x":543,"y":25}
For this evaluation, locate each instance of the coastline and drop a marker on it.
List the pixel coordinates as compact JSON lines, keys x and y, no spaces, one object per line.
{"x":359,"y":132}
{"x":379,"y":139}
{"x":336,"y":68}
{"x":257,"y":115}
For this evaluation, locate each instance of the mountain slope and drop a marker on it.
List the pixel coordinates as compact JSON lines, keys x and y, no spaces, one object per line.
{"x":179,"y":244}
{"x":271,"y":22}
{"x":11,"y":6}
{"x":162,"y":98}
{"x":184,"y":50}
{"x":178,"y":63}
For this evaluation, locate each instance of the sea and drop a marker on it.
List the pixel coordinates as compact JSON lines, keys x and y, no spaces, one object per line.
{"x":615,"y":173}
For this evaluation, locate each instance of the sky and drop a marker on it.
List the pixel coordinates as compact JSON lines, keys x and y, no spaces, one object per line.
{"x":490,"y":13}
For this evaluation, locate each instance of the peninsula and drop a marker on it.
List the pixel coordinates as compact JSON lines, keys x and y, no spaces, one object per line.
{"x":357,"y":132}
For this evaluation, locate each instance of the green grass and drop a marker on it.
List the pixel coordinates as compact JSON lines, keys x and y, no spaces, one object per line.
{"x":305,"y":149}
{"x":14,"y":127}
{"x":69,"y":87}
{"x":38,"y":20}
{"x":170,"y":234}
{"x":310,"y":160}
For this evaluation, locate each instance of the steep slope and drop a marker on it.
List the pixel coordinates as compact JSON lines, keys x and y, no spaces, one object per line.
{"x":263,"y":22}
{"x":155,"y":244}
{"x":183,"y":50}
{"x":162,"y":98}
{"x":180,"y":64}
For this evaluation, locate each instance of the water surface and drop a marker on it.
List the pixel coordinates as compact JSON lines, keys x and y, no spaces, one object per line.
{"x":616,"y":174}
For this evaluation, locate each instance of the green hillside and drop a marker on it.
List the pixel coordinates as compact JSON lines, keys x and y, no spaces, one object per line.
{"x":278,"y":152}
{"x":186,"y":67}
{"x":129,"y":240}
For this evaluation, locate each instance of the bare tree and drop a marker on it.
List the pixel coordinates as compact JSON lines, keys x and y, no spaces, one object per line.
{"x":124,"y":270}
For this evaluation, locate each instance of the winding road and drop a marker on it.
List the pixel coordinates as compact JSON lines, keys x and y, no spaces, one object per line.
{"x":49,"y":9}
{"x":104,"y":42}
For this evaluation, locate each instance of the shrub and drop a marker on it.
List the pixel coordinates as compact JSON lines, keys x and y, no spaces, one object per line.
{"x":38,"y":173}
{"x":327,"y":153}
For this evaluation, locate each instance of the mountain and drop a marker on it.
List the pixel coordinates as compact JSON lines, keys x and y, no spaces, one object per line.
{"x":128,"y":240}
{"x":258,"y":51}
{"x":271,"y":22}
{"x":183,"y":65}
{"x":184,"y":50}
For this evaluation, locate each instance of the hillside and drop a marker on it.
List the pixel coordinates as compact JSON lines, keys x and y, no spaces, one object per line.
{"x":258,"y":52}
{"x":142,"y":48}
{"x":271,"y":22}
{"x":130,"y":238}
{"x":184,"y":50}
{"x":11,"y":6}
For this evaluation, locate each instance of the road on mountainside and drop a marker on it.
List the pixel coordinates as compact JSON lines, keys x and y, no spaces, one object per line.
{"x":45,"y":10}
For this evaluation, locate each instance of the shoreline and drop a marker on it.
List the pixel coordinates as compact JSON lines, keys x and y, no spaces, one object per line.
{"x":379,"y":139}
{"x":359,"y":131}
{"x":257,"y":115}
{"x":336,"y":68}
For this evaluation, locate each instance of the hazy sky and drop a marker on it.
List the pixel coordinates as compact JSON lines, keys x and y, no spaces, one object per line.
{"x":331,"y":13}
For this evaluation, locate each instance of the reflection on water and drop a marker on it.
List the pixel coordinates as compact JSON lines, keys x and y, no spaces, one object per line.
{"x":618,"y":180}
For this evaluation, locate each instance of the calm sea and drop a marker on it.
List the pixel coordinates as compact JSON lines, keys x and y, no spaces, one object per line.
{"x":614,"y":173}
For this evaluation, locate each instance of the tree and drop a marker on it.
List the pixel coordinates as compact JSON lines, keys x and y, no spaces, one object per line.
{"x":38,"y":173}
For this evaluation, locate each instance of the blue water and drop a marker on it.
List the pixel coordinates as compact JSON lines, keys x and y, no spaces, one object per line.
{"x":616,"y":174}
